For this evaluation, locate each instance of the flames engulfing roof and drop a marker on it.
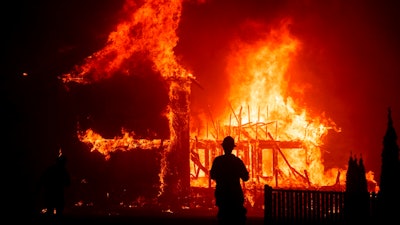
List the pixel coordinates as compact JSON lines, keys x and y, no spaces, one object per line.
{"x":257,"y":102}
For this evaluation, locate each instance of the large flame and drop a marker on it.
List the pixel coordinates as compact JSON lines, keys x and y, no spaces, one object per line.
{"x":148,"y":30}
{"x":258,"y":77}
{"x":258,"y":107}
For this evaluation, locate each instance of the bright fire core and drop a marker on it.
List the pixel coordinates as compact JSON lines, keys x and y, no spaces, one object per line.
{"x":278,"y":141}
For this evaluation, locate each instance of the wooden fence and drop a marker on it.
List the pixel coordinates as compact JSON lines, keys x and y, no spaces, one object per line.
{"x":306,"y":206}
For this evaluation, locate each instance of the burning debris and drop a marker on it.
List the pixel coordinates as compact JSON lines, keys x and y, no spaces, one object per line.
{"x":278,"y":141}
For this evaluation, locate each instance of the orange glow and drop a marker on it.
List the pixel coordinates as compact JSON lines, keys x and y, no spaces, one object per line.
{"x":258,"y":71}
{"x":258,"y":109}
{"x":124,"y":143}
{"x":149,"y":30}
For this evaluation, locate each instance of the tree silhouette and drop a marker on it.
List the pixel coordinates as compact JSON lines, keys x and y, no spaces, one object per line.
{"x":389,"y":195}
{"x":363,"y":184}
{"x":351,"y":175}
{"x":357,"y":196}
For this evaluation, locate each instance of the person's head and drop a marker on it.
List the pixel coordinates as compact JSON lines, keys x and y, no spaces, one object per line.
{"x":228,"y":144}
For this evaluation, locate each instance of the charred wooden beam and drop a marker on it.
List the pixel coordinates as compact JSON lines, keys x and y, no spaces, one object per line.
{"x":262,"y":144}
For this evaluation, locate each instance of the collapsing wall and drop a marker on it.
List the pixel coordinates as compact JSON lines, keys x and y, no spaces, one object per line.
{"x":176,"y":161}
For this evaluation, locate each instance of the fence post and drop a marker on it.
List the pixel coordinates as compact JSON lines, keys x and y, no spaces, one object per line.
{"x":267,"y":204}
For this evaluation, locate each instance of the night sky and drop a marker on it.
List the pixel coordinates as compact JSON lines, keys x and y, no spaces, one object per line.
{"x":348,"y":66}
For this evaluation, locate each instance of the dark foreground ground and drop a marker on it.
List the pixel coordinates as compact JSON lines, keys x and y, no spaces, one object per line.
{"x":140,"y":217}
{"x":138,"y":220}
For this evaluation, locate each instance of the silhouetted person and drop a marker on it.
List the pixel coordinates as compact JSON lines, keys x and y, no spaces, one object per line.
{"x":227,"y":170}
{"x":53,"y":182}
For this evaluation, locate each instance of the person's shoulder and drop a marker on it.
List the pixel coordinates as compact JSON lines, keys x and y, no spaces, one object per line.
{"x":219,"y":157}
{"x":238,"y":159}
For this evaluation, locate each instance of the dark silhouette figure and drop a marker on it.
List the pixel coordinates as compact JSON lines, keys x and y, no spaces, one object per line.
{"x":227,"y":170}
{"x":53,"y":182}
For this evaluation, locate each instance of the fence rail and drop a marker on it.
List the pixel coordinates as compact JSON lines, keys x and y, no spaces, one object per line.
{"x":305,"y":206}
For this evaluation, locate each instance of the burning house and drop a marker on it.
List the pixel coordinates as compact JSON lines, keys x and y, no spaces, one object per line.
{"x":278,"y":141}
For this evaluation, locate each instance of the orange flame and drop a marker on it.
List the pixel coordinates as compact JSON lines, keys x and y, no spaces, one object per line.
{"x":258,"y":76}
{"x":149,"y":31}
{"x":126,"y":142}
{"x":258,"y":79}
{"x":258,"y":70}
